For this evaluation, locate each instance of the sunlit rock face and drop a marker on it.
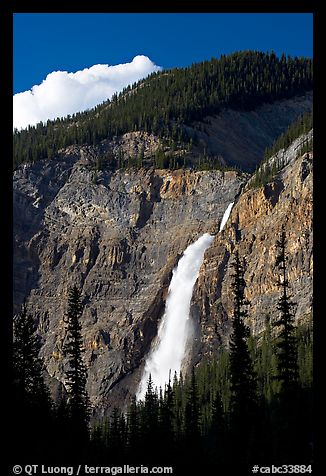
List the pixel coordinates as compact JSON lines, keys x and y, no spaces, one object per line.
{"x":254,"y":226}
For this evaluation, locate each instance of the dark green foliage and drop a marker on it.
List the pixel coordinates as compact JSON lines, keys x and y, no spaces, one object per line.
{"x":27,"y":365}
{"x":191,"y":426}
{"x":192,"y":414}
{"x":166,"y":419}
{"x":117,"y":433}
{"x":266,"y":173}
{"x":179,"y":405}
{"x":150,"y":419}
{"x":266,"y":364}
{"x":243,"y":386}
{"x":242,"y":376}
{"x":211,"y":163}
{"x":286,"y":346}
{"x":31,"y":416}
{"x":160,"y":160}
{"x":76,"y":372}
{"x":307,"y":146}
{"x":305,"y":354}
{"x":215,"y":445}
{"x":290,"y":402}
{"x":164,"y":102}
{"x":133,"y":429}
{"x":140,"y":158}
{"x":218,"y":424}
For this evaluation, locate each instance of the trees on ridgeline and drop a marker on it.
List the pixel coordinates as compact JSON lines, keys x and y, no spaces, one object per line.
{"x":267,"y":170}
{"x":300,"y":126}
{"x":167,"y":101}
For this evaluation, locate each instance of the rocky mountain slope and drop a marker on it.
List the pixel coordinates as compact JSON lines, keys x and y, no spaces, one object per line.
{"x":119,"y":234}
{"x":254,"y":226}
{"x":239,"y":138}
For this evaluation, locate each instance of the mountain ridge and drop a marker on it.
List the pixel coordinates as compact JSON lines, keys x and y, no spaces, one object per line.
{"x":242,"y":81}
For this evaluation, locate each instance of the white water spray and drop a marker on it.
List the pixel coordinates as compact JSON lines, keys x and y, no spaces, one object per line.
{"x":169,"y":347}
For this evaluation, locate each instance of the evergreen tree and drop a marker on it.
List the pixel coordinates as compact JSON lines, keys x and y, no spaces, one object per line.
{"x":133,"y":429}
{"x":305,"y":354}
{"x":218,"y":432}
{"x":266,"y":364}
{"x":76,"y":374}
{"x":32,"y":415}
{"x":292,"y":425}
{"x":243,"y":405}
{"x":268,"y":169}
{"x":150,"y":420}
{"x":242,"y":377}
{"x":167,"y":416}
{"x":179,"y":403}
{"x":286,"y":346}
{"x":27,"y":365}
{"x":192,"y":414}
{"x":117,"y":436}
{"x":140,"y":158}
{"x":302,"y":125}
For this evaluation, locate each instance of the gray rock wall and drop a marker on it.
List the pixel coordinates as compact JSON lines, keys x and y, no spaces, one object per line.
{"x":118,"y":239}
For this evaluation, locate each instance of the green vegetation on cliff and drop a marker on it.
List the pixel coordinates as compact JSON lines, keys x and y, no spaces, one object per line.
{"x":267,"y":170}
{"x":301,"y":126}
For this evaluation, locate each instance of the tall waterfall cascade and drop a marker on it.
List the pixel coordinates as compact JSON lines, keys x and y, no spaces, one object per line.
{"x":169,"y":347}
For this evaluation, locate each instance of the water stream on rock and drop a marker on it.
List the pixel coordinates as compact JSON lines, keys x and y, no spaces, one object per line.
{"x":169,"y":346}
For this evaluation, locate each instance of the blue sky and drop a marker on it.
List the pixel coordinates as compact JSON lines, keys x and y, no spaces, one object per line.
{"x":49,"y":42}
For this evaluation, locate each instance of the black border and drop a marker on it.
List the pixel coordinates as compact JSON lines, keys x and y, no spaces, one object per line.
{"x":158,"y":6}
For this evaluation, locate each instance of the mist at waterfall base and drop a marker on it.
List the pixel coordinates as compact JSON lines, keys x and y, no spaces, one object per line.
{"x":169,"y":347}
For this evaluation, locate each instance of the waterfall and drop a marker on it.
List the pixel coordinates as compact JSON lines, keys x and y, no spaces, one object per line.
{"x":169,"y":346}
{"x":226,"y":216}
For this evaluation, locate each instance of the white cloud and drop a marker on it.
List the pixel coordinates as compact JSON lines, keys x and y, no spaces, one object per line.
{"x":63,"y":93}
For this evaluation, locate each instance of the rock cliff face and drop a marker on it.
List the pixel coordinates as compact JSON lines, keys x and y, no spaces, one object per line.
{"x":118,"y":236}
{"x":119,"y":240}
{"x":254,"y":226}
